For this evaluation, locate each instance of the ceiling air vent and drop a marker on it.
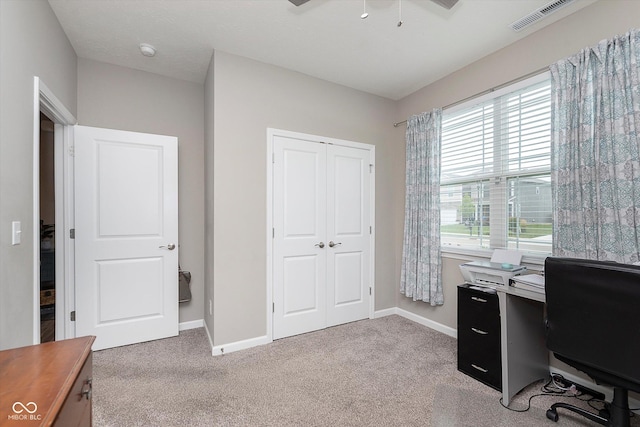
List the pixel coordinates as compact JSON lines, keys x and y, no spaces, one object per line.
{"x":537,"y":15}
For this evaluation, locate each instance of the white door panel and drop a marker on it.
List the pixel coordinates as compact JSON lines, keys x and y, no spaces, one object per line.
{"x":139,"y":211}
{"x":138,"y":279}
{"x":300,"y":226}
{"x":346,"y":181}
{"x":302,"y":174}
{"x":348,"y":281}
{"x":321,"y":194}
{"x":126,"y":217}
{"x":348,"y":278}
{"x":301,"y":287}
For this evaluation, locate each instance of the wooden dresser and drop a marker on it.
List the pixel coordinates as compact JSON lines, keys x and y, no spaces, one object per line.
{"x":47,"y":384}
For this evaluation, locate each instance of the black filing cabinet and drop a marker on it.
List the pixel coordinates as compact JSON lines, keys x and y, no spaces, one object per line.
{"x":479,"y":334}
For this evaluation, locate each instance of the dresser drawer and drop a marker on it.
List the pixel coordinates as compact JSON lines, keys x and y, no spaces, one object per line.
{"x":481,"y":325}
{"x":477,"y":305}
{"x":481,"y":347}
{"x":76,"y":409}
{"x":479,"y":356}
{"x":489,"y":374}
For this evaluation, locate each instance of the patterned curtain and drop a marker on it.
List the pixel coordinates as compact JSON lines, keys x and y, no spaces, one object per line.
{"x":595,"y":152}
{"x":421,"y":277}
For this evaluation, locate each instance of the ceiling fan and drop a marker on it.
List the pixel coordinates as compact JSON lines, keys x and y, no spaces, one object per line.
{"x":447,"y":4}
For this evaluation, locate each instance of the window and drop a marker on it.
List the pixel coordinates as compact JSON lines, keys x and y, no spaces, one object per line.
{"x":495,"y":170}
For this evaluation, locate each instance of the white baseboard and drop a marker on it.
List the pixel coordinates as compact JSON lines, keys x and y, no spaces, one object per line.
{"x":220,"y":350}
{"x":191,"y":325}
{"x":607,"y":391}
{"x":383,"y":313}
{"x":452,"y":332}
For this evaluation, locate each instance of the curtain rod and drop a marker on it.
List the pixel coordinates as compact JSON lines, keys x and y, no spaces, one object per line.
{"x":484,"y":92}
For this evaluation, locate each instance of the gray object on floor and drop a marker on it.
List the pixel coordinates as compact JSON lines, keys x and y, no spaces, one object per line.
{"x":184,"y":289}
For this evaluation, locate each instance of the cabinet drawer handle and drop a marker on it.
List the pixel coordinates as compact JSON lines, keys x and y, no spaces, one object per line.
{"x":479,"y":331}
{"x":478,"y":299}
{"x":484,"y":371}
{"x":87,"y":393}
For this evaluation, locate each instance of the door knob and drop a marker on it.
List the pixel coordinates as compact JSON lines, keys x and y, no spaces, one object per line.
{"x":170,"y":246}
{"x":320,"y":245}
{"x":331,"y":244}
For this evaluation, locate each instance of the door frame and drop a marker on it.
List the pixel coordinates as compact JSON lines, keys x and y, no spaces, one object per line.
{"x":271,"y":133}
{"x":45,"y":100}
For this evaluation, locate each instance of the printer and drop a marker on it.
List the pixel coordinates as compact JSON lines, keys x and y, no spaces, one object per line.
{"x":503,"y":266}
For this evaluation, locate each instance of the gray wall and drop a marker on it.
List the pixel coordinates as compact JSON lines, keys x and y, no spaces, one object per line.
{"x":248,"y":97}
{"x":32,"y":43}
{"x":115,"y":97}
{"x":586,"y":27}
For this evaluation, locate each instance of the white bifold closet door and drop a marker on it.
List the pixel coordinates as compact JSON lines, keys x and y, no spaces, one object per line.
{"x":322,"y":235}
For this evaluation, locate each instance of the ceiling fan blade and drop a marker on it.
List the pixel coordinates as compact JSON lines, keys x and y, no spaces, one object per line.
{"x":447,"y":4}
{"x":299,"y":2}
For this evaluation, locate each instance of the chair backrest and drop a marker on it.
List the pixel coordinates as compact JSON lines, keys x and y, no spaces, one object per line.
{"x":593,"y":316}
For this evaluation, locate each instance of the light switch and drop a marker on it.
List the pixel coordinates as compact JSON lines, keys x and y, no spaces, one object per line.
{"x":16,"y":233}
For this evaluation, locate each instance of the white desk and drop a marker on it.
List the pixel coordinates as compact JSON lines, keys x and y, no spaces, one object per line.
{"x":525,"y":358}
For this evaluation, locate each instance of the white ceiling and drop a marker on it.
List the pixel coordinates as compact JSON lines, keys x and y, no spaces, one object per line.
{"x":322,"y":38}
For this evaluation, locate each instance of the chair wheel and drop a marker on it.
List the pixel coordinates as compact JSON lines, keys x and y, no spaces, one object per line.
{"x":552,"y":414}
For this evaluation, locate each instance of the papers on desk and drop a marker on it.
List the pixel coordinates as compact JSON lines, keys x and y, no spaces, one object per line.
{"x":529,"y":282}
{"x":506,"y":256}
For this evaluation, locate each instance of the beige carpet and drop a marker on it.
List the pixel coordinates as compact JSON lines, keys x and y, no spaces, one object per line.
{"x":383,"y":372}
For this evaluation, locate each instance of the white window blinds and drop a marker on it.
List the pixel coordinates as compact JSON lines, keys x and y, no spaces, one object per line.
{"x":495,"y":187}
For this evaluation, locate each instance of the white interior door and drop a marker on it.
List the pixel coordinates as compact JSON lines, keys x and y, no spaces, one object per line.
{"x":126,"y":236}
{"x":349,"y":234}
{"x":321,"y":236}
{"x":299,"y":270}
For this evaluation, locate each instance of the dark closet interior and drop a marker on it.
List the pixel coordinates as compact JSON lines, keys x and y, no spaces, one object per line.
{"x":47,"y":232}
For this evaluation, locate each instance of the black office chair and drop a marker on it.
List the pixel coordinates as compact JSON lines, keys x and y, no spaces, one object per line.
{"x":593,"y":324}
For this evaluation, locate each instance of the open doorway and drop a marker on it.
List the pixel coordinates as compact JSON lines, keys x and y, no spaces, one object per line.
{"x":47,"y":230}
{"x":53,"y":250}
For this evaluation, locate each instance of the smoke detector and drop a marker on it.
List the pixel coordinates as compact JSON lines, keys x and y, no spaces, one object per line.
{"x":147,"y":50}
{"x":539,"y":14}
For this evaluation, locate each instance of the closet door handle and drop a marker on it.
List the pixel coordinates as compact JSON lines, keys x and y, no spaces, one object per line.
{"x":320,"y":245}
{"x":331,"y":244}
